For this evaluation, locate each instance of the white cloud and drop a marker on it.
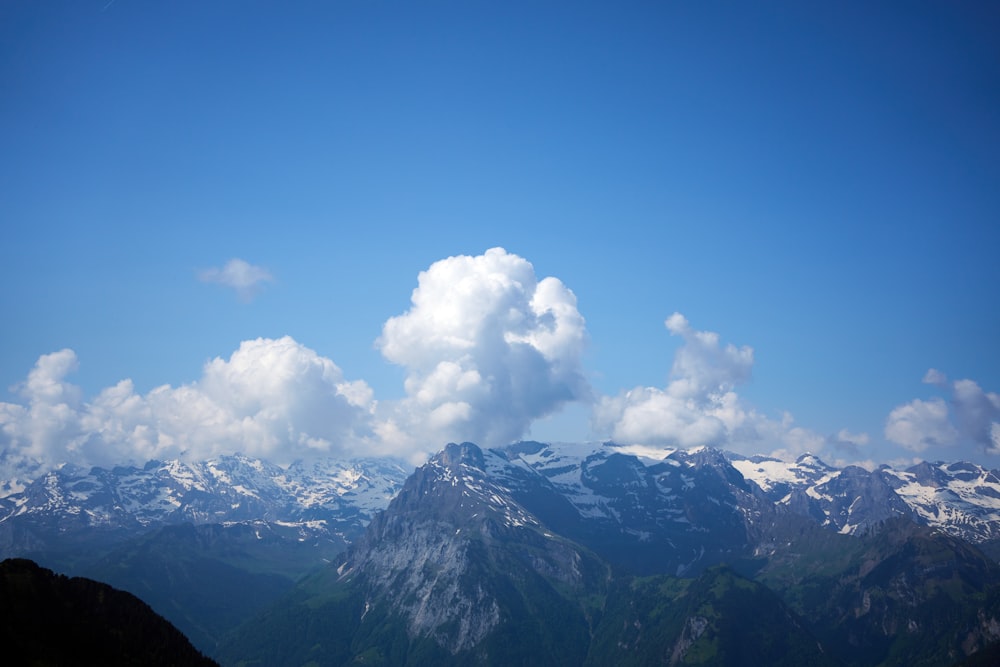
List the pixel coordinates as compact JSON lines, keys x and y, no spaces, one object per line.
{"x":703,"y":368}
{"x":977,"y":413}
{"x":935,"y":377}
{"x":487,"y":348}
{"x":30,"y":434}
{"x":971,"y":415}
{"x":919,"y":424}
{"x":240,"y":275}
{"x":699,"y":406}
{"x":647,"y":415}
{"x":271,"y":398}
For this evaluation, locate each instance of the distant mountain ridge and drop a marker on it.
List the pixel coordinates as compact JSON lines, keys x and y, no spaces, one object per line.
{"x":329,"y":500}
{"x":208,"y":543}
{"x":333,"y":500}
{"x":960,"y":498}
{"x":530,"y":555}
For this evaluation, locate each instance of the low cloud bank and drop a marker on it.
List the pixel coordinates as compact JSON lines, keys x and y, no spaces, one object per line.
{"x":487,"y":348}
{"x":271,"y":398}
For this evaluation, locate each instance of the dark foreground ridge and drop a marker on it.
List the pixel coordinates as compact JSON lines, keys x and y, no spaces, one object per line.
{"x":50,"y":619}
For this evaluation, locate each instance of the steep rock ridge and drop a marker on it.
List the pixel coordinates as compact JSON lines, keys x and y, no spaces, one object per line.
{"x":462,"y":568}
{"x":511,"y":556}
{"x":456,"y":556}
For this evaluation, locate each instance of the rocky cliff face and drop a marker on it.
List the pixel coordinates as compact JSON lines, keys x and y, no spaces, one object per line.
{"x":456,"y":554}
{"x":528,"y":555}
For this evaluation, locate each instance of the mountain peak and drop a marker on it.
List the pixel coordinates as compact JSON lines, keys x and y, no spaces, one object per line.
{"x":811,"y":460}
{"x":454,"y":455}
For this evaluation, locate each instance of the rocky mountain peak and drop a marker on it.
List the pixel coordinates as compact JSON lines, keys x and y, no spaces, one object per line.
{"x":454,"y":455}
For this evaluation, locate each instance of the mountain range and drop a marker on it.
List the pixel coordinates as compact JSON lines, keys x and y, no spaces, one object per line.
{"x":206,"y":543}
{"x":538,"y":553}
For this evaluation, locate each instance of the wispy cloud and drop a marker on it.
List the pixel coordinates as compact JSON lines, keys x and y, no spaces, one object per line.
{"x":247,"y":279}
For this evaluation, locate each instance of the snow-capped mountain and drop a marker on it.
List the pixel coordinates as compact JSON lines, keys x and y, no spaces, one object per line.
{"x":329,"y":498}
{"x":646,"y":508}
{"x":529,"y":554}
{"x":962,"y":499}
{"x":477,"y":537}
{"x":455,"y":527}
{"x":641,"y":501}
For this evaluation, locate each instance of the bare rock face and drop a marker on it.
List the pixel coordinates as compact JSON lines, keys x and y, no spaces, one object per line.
{"x":454,"y":551}
{"x":603,"y":554}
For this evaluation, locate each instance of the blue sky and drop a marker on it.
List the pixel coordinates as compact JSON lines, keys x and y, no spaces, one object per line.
{"x":817,"y":182}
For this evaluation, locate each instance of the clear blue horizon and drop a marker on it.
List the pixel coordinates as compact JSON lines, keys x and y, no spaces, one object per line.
{"x":816,"y":182}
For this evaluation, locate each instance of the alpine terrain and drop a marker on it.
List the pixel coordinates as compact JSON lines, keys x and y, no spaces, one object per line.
{"x":535,"y":553}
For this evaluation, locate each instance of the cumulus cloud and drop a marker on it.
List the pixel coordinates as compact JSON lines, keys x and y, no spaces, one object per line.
{"x":699,"y":405}
{"x":971,"y":415}
{"x":487,"y":348}
{"x":921,"y":424}
{"x":703,"y":368}
{"x":271,"y":398}
{"x":49,"y":418}
{"x":239,"y":275}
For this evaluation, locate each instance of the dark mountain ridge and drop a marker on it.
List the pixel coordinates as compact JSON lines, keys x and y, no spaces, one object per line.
{"x":51,"y":619}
